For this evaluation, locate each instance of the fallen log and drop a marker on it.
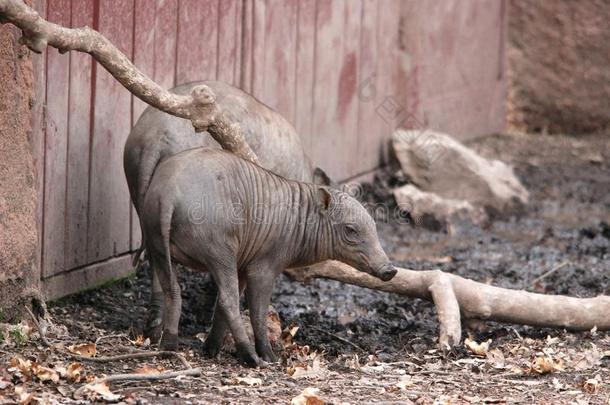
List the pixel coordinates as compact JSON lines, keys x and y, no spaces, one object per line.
{"x":199,"y":106}
{"x":458,"y":299}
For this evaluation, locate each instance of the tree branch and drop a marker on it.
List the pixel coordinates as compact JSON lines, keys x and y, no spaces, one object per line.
{"x":193,"y":372}
{"x":456,"y":298}
{"x":199,"y":106}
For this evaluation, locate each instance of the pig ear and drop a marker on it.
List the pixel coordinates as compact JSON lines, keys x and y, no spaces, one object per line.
{"x":323,"y":199}
{"x":320,"y":177}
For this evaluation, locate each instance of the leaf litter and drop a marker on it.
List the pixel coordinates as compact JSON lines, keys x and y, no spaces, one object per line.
{"x":399,"y":363}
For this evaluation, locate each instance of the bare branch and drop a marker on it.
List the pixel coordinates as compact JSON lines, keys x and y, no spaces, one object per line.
{"x":448,"y":310}
{"x":130,"y":356}
{"x":39,"y":326}
{"x":456,"y":298}
{"x":199,"y":106}
{"x":193,"y":372}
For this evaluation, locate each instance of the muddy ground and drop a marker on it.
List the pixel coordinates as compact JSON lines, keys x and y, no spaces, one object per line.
{"x":381,"y":347}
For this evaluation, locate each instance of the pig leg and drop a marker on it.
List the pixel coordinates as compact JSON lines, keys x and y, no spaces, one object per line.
{"x":173,"y":301}
{"x":228,"y":302}
{"x":154,"y":321}
{"x":260,"y":287}
{"x":215,"y":338}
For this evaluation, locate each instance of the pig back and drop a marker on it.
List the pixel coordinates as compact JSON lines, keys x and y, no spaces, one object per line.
{"x":157,"y":135}
{"x":210,"y":186}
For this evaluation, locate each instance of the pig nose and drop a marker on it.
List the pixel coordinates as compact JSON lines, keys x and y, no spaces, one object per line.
{"x":386,"y":272}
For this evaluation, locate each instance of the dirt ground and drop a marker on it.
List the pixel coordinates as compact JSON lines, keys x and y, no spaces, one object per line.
{"x":361,"y":346}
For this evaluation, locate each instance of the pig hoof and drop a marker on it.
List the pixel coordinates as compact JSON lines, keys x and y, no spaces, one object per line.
{"x":169,"y":341}
{"x":267,"y":354}
{"x":250,"y":358}
{"x":210,"y":349}
{"x":269,"y":357}
{"x":153,"y":333}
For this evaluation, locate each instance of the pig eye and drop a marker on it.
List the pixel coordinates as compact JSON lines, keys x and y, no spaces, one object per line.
{"x":351,"y":234}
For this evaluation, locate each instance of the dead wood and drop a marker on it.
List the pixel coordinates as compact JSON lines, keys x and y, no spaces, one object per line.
{"x":188,"y":371}
{"x":131,"y":356}
{"x":103,"y":359}
{"x":199,"y":106}
{"x":166,"y":375}
{"x":458,"y":299}
{"x":40,"y":326}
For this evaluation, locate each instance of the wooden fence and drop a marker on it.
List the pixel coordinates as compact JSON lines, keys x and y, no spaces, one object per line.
{"x":344,"y":72}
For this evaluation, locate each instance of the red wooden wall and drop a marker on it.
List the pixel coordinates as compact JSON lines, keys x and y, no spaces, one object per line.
{"x":344,"y":72}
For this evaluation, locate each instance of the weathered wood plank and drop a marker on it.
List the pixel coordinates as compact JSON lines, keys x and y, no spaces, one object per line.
{"x":247,"y":36}
{"x":239,"y":14}
{"x":197,"y":40}
{"x":305,"y":62}
{"x":109,"y":205}
{"x":368,"y":89}
{"x":389,"y":108}
{"x":56,"y":138}
{"x":87,"y":277}
{"x":258,"y":48}
{"x":327,"y":146}
{"x":38,"y":132}
{"x":460,"y":60}
{"x":78,"y":143}
{"x":347,"y":88}
{"x":166,"y":20}
{"x":143,"y":47}
{"x":227,"y":41}
{"x":144,"y":59}
{"x":280,"y":56}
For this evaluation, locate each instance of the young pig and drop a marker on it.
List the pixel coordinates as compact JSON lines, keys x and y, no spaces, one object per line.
{"x":158,"y":135}
{"x":210,"y":210}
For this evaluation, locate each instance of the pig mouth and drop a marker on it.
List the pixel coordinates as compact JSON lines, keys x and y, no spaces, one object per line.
{"x":385,"y":273}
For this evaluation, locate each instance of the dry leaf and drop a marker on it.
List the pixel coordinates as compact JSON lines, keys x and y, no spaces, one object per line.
{"x":101,"y":391}
{"x":306,"y":371}
{"x":74,"y":372}
{"x":140,"y":341}
{"x":406,"y":381}
{"x":45,"y":373}
{"x":517,"y":370}
{"x":590,"y":358}
{"x":479,"y":349}
{"x":558,"y":385}
{"x":546,"y":365}
{"x":551,"y":341}
{"x":353,"y":362}
{"x":251,"y":381}
{"x":85,"y":349}
{"x":148,"y":370}
{"x":309,"y":396}
{"x":25,"y":398}
{"x":591,"y":385}
{"x":4,"y":384}
{"x":496,"y":358}
{"x":21,"y":365}
{"x":288,"y":334}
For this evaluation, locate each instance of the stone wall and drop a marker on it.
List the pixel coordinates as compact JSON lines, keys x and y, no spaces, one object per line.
{"x":18,"y":196}
{"x":559,"y":59}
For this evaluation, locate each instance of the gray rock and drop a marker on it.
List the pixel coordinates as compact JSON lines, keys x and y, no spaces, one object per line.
{"x":436,"y":213}
{"x":439,"y":164}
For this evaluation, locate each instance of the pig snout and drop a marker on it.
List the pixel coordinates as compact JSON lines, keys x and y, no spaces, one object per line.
{"x":385,"y":272}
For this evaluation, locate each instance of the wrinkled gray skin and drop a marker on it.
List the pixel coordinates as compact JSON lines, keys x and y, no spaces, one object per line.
{"x":212,"y":211}
{"x":158,"y":135}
